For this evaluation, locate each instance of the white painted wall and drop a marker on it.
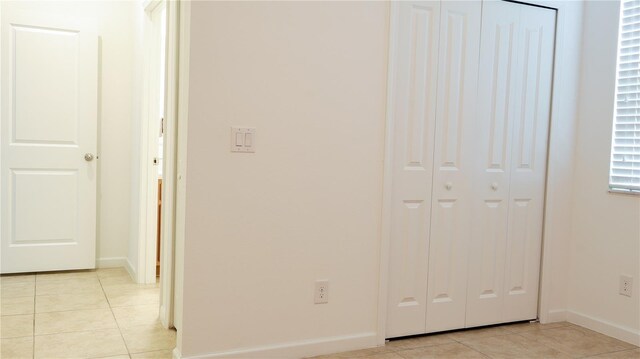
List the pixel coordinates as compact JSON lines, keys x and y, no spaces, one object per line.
{"x":115,"y":20}
{"x":137,"y":38}
{"x":262,"y":228}
{"x":557,"y":228}
{"x":117,"y":33}
{"x":606,"y":227}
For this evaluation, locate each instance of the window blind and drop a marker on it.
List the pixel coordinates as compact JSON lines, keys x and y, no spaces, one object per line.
{"x":625,"y":153}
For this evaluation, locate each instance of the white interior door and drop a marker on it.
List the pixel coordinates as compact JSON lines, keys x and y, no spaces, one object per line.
{"x":529,"y":162}
{"x":454,"y":158}
{"x":478,"y":139}
{"x":414,"y":112}
{"x":496,"y":100}
{"x":154,"y":63}
{"x":514,"y":97}
{"x":48,"y":80}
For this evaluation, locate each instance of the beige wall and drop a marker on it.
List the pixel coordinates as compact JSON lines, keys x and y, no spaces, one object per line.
{"x":311,"y":77}
{"x":116,"y":28}
{"x":562,"y":139}
{"x":606,"y":227}
{"x":262,"y":228}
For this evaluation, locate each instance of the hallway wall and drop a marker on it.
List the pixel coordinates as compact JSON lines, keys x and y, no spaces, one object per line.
{"x":311,"y":77}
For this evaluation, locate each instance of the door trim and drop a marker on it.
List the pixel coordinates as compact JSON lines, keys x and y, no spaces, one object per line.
{"x":182,"y":109}
{"x":148,"y":199}
{"x":552,"y":235}
{"x":387,"y":184}
{"x":176,"y":72}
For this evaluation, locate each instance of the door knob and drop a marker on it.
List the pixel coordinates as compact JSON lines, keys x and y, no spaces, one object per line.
{"x":88,"y":157}
{"x":494,"y":186}
{"x":448,"y":186}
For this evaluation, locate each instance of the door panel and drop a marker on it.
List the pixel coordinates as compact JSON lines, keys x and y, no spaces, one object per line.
{"x":517,"y":43}
{"x":53,"y":87}
{"x":414,"y":87}
{"x":529,"y":163}
{"x":32,"y":220}
{"x":454,"y":161}
{"x":496,"y":106}
{"x":48,"y":123}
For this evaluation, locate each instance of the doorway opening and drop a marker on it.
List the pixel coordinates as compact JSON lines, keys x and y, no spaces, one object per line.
{"x":75,"y":80}
{"x":152,"y":142}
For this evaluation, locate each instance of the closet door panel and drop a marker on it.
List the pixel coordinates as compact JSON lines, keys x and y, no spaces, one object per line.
{"x":414,"y":88}
{"x":529,"y":162}
{"x":496,"y":106}
{"x":453,"y":164}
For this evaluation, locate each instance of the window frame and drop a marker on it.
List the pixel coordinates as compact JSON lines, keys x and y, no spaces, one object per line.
{"x":615,"y":188}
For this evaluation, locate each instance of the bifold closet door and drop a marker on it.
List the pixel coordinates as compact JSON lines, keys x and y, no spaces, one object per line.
{"x":414,"y":111}
{"x":471,"y":88}
{"x":514,"y":98}
{"x":434,"y":82}
{"x":454,"y":159}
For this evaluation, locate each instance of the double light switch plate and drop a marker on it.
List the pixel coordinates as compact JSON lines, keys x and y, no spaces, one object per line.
{"x":243,"y":139}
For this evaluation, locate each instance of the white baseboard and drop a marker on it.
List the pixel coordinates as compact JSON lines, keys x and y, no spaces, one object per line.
{"x":620,"y":332}
{"x":130,"y":269}
{"x":301,"y":349}
{"x":556,"y":315}
{"x":111,"y":262}
{"x":116,"y":262}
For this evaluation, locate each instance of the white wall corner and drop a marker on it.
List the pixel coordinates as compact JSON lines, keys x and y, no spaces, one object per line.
{"x":300,"y":349}
{"x":111,"y":262}
{"x":555,"y":315}
{"x":176,"y":353}
{"x":131,"y":270}
{"x":620,"y":332}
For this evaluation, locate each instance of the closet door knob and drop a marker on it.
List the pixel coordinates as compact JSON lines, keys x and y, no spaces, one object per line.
{"x":448,"y":186}
{"x":494,"y":186}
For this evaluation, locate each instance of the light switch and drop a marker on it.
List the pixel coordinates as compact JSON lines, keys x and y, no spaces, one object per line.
{"x":243,"y":139}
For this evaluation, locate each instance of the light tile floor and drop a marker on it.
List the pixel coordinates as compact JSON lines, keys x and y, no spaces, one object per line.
{"x":521,"y":341}
{"x":81,"y":314}
{"x":104,"y":314}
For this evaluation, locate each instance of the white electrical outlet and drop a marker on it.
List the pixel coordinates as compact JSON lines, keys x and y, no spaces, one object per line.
{"x":626,"y":285}
{"x":322,"y":292}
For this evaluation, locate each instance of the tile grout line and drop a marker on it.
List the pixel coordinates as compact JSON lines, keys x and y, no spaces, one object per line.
{"x":33,"y":333}
{"x":109,"y":306}
{"x":615,"y":351}
{"x":475,"y":350}
{"x":114,"y":318}
{"x":75,"y":310}
{"x":34,"y":296}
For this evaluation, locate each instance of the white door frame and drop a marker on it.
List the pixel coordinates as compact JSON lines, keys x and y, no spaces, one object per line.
{"x":552,"y":234}
{"x":182,"y":116}
{"x":175,"y":74}
{"x":147,"y":217}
